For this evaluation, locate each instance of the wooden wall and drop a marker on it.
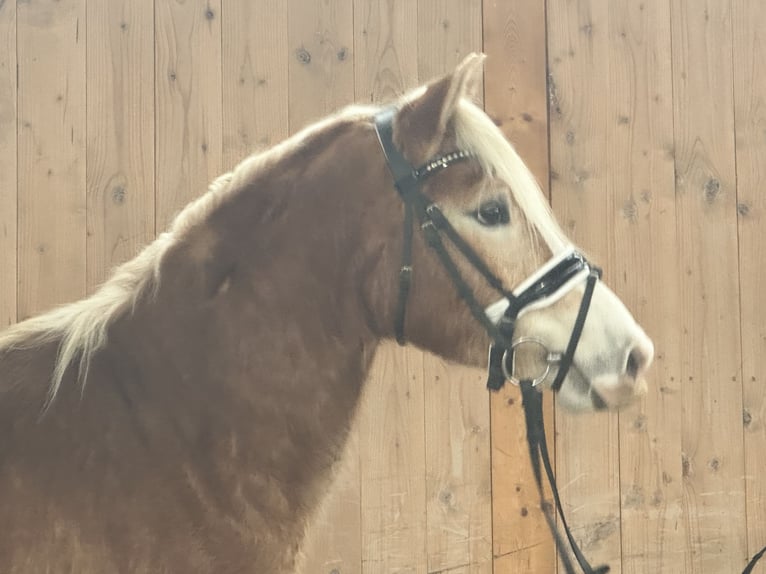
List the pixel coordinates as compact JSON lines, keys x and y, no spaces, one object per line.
{"x":647,"y":118}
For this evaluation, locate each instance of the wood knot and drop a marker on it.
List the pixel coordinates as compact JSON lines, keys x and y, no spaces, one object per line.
{"x":686,"y":466}
{"x":118,"y":194}
{"x":209,"y":14}
{"x":714,"y":464}
{"x":527,"y":117}
{"x":712,"y":189}
{"x":342,"y":54}
{"x":524,"y":511}
{"x":303,"y":56}
{"x":630,"y":210}
{"x":743,"y":209}
{"x":747,"y":418}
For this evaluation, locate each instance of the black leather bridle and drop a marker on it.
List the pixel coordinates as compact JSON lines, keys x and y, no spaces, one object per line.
{"x":408,"y":181}
{"x":552,"y":279}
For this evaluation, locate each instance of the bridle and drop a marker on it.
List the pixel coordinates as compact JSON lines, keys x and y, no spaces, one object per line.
{"x":558,"y":275}
{"x":550,"y":282}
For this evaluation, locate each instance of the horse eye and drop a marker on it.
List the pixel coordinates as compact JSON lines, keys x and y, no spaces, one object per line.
{"x":493,"y":213}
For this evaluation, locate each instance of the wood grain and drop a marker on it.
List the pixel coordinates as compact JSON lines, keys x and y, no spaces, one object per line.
{"x":393,"y":467}
{"x":385,"y":49}
{"x":458,"y":480}
{"x":640,"y":175}
{"x":392,"y":440}
{"x":51,"y":148}
{"x":8,"y":159}
{"x":319,"y":62}
{"x":120,"y":134}
{"x":713,"y":458}
{"x":515,"y":96}
{"x":188,"y":102}
{"x":255,"y":63}
{"x":587,"y":449}
{"x":749,"y":53}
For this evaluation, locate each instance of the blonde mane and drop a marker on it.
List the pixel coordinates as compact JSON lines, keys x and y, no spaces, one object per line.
{"x":81,"y":327}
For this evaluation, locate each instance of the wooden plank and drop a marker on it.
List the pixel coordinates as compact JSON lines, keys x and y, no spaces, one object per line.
{"x":393,"y":467}
{"x":8,"y":158}
{"x":120,"y":138}
{"x":458,"y":478}
{"x":712,"y":441}
{"x":188,"y":103}
{"x":321,"y":65}
{"x":385,"y":49}
{"x":515,"y":96}
{"x":391,"y":419}
{"x":644,"y":273}
{"x":587,"y":451}
{"x":321,"y":80}
{"x":255,"y":61}
{"x":51,"y":147}
{"x":749,"y":17}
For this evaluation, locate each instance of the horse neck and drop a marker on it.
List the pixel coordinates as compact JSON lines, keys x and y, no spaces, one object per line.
{"x":256,"y":331}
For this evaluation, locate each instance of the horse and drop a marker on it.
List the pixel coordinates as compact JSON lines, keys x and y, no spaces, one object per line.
{"x":186,"y":416}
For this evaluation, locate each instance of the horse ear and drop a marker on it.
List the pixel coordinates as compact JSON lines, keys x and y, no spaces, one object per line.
{"x":421,"y":124}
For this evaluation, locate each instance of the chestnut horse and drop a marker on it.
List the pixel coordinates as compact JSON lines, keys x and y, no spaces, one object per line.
{"x":185,"y":417}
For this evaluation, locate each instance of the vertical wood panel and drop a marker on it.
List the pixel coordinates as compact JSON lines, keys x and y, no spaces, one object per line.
{"x":458,"y":481}
{"x":392,"y":445}
{"x":749,"y":25}
{"x":188,"y":102}
{"x":587,"y":451}
{"x":644,"y":274}
{"x":8,"y":158}
{"x":321,"y":62}
{"x":120,"y":139}
{"x":51,"y":140}
{"x":391,"y":425}
{"x":255,"y":62}
{"x":712,"y":442}
{"x":515,"y":95}
{"x":321,"y":80}
{"x":392,"y":440}
{"x":385,"y":49}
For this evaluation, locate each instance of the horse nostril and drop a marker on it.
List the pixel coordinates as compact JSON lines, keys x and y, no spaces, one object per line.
{"x":638,"y":361}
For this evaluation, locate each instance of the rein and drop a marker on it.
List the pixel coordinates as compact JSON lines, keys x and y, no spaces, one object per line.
{"x":549,"y":281}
